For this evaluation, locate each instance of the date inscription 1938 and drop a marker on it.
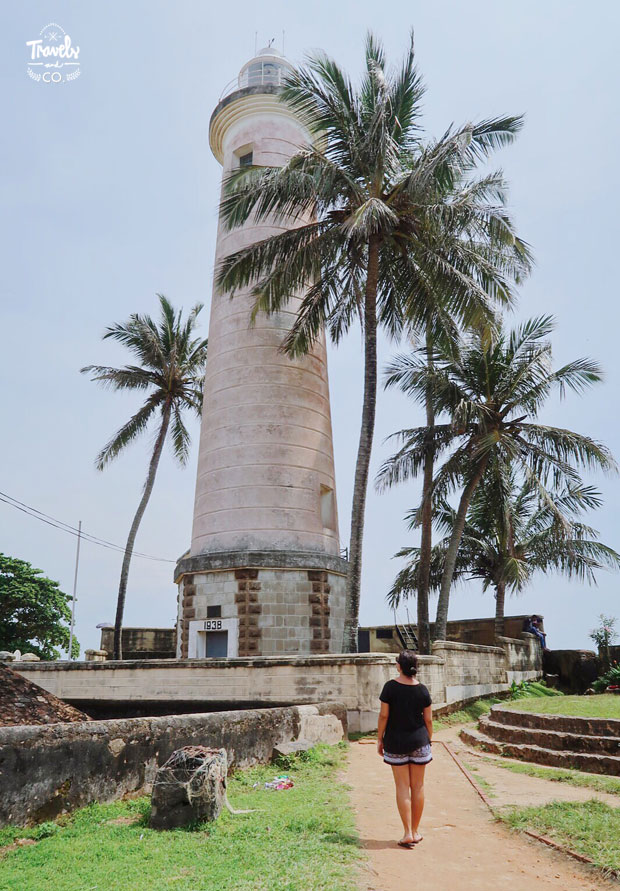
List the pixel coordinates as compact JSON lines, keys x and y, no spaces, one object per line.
{"x":213,"y":625}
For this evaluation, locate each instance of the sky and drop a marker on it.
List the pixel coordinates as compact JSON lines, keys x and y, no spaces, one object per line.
{"x":110,"y":195}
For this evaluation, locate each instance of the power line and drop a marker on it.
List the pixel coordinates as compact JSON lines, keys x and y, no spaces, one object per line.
{"x":72,"y":530}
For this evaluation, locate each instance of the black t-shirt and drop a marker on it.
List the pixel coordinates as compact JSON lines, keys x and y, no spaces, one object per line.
{"x":405,"y":729}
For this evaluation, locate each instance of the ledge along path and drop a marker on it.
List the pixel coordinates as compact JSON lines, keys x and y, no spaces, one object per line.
{"x":463,"y":847}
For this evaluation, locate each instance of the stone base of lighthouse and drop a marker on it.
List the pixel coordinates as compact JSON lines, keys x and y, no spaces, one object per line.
{"x":260,"y":603}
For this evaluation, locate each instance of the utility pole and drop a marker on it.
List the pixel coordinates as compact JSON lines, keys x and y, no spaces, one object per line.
{"x":75,"y":577}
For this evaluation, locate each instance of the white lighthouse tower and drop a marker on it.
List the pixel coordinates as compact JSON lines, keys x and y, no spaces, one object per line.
{"x":264,"y":575}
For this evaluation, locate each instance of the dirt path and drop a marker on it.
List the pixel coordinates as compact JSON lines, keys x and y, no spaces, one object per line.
{"x":463,"y":848}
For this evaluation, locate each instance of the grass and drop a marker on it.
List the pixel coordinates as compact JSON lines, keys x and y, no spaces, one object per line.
{"x":606,"y":705}
{"x":480,"y":780}
{"x":591,"y":828}
{"x":611,"y":785}
{"x":303,"y":838}
{"x":465,"y":715}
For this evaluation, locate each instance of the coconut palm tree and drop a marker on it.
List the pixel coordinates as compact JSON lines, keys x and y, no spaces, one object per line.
{"x":170,"y":372}
{"x":377,"y":221}
{"x":492,"y":391}
{"x":510,"y":534}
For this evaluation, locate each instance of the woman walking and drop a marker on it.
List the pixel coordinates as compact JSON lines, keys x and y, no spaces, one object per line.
{"x":404,"y":740}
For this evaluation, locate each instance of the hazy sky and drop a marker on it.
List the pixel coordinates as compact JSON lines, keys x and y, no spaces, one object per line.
{"x":110,"y":195}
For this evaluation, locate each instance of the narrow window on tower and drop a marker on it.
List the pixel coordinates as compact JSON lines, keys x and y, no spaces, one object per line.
{"x":244,"y":155}
{"x":328,"y":514}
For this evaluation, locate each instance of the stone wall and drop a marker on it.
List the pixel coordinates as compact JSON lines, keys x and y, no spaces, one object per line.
{"x":141,"y":643}
{"x":454,"y":673}
{"x":55,"y":768}
{"x":264,"y":611}
{"x":384,"y":639}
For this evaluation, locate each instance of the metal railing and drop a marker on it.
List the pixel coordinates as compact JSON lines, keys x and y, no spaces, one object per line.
{"x":269,"y":75}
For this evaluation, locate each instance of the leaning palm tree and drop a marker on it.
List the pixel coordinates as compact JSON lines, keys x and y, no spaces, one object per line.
{"x":171,"y":372}
{"x":510,"y":534}
{"x":377,"y":221}
{"x":492,"y":392}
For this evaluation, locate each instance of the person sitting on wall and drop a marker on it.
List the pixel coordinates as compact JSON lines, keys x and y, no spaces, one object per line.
{"x":532,"y":626}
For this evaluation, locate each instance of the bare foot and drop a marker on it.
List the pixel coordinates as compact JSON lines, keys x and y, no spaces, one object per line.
{"x":416,"y":838}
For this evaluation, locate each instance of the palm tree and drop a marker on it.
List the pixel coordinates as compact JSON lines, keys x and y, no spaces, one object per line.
{"x":510,"y":534}
{"x":171,"y":372}
{"x":378,"y":221}
{"x":492,"y":391}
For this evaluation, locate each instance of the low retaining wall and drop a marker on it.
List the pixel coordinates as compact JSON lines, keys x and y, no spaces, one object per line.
{"x":50,"y":769}
{"x":455,"y":673}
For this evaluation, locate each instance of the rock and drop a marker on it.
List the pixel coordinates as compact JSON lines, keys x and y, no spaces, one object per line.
{"x":576,"y":668}
{"x":30,"y":657}
{"x":190,"y":786}
{"x":5,"y":656}
{"x":290,"y":748}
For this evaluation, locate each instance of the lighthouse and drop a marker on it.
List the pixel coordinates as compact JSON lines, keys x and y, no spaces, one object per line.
{"x":264,"y":575}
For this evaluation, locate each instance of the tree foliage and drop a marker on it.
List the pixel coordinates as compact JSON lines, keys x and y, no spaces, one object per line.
{"x":34,"y":612}
{"x":491,"y":393}
{"x":389,"y":230}
{"x":510,"y":534}
{"x":171,"y":375}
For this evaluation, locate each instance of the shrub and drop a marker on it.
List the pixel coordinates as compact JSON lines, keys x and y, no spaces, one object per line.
{"x":609,"y":679}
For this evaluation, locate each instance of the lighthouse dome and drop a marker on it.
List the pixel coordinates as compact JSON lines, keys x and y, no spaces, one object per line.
{"x":268,"y":68}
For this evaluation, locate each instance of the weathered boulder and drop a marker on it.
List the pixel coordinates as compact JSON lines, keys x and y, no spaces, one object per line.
{"x":190,"y":786}
{"x":576,"y":668}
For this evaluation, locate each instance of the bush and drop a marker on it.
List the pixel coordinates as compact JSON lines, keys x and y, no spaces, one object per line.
{"x":609,"y":679}
{"x":529,"y":689}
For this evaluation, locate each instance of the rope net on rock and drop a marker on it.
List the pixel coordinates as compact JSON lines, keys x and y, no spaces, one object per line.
{"x":196,"y":769}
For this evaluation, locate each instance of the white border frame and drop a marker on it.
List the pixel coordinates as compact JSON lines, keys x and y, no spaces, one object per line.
{"x":196,"y":645}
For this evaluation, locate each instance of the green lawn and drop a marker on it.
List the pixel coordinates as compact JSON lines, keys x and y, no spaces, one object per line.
{"x":606,"y":705}
{"x":465,"y":715}
{"x":611,"y":785}
{"x":591,"y":828}
{"x":302,"y":839}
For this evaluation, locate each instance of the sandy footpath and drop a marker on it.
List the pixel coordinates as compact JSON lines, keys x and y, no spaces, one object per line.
{"x":463,"y":847}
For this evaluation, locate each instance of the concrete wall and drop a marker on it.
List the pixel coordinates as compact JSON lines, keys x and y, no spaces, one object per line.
{"x":454,"y":673}
{"x":45,"y":771}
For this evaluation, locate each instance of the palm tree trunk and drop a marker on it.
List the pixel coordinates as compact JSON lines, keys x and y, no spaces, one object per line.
{"x":148,"y":488}
{"x":500,"y":598}
{"x":364,"y":449}
{"x":453,"y":549}
{"x":426,"y":544}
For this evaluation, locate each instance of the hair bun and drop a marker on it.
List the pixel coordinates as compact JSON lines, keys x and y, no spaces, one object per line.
{"x":408,"y":662}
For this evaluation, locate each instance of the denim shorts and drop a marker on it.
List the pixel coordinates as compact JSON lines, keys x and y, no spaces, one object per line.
{"x":419,"y":756}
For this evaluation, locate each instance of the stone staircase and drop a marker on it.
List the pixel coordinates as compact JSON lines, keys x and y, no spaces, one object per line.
{"x":588,"y":744}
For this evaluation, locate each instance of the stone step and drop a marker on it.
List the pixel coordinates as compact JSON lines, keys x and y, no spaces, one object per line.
{"x":549,"y":739}
{"x":563,"y":723}
{"x":587,"y":762}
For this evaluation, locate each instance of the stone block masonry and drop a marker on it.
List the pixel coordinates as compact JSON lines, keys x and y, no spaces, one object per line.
{"x":47,"y":770}
{"x":262,"y":610}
